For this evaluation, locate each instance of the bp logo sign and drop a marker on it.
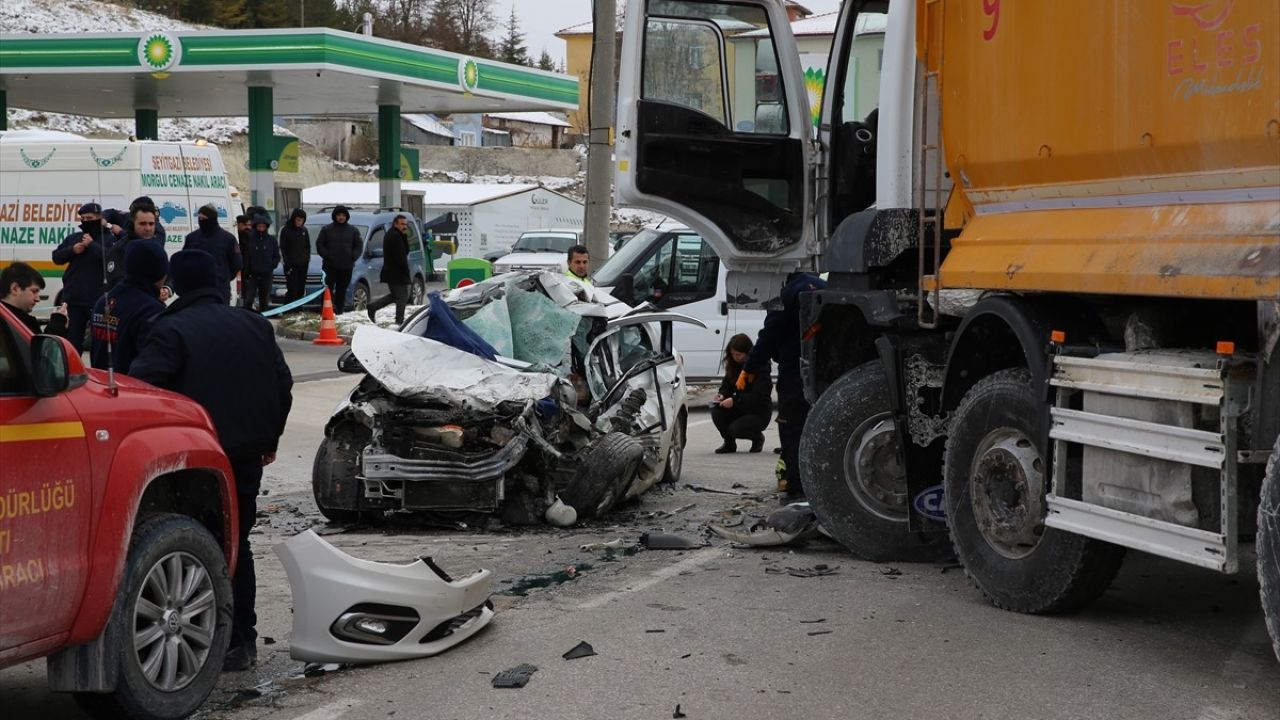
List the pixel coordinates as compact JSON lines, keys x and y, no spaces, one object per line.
{"x":468,"y":75}
{"x":159,"y":51}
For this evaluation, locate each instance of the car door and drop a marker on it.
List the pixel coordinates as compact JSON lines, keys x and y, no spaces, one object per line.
{"x":45,"y":497}
{"x":715,"y":125}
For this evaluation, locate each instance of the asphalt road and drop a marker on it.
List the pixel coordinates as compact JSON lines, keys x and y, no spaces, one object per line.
{"x":725,"y":632}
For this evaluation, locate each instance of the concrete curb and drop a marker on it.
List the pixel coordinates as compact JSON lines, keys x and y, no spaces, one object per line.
{"x":307,"y":335}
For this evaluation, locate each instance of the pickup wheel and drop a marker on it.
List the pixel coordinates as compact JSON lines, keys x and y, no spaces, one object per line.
{"x":852,"y":476}
{"x":172,"y":620}
{"x":603,"y":474}
{"x":334,"y":485}
{"x":996,"y":479}
{"x":1268,"y":547}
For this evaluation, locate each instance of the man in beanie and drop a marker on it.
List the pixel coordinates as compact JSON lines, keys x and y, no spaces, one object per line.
{"x":295,"y":246}
{"x":340,"y":245}
{"x":260,"y":263}
{"x":123,"y":317}
{"x":82,"y":252}
{"x":227,"y":360}
{"x":222,"y":245}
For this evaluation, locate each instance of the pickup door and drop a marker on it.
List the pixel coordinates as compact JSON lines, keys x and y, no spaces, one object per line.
{"x":714,"y":126}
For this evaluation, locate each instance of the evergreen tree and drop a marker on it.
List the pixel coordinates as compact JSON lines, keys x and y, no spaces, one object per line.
{"x":545,"y":62}
{"x":268,"y":14}
{"x":231,"y":13}
{"x":199,"y":11}
{"x":511,"y":49}
{"x":441,"y":29}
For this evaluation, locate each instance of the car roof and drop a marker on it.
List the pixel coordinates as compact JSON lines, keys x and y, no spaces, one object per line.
{"x":574,"y":231}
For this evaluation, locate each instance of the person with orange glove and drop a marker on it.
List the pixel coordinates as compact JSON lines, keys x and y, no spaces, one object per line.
{"x":742,"y":407}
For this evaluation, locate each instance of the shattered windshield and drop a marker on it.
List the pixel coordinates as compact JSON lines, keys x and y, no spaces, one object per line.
{"x":545,"y":242}
{"x":614,"y":355}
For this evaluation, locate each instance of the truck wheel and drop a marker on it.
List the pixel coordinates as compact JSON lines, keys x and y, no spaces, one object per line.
{"x":417,"y":291}
{"x":852,"y":476}
{"x":603,"y":474}
{"x":1268,"y":547}
{"x":172,"y":620}
{"x":995,"y":480}
{"x":334,"y":485}
{"x":360,"y":296}
{"x":675,"y":456}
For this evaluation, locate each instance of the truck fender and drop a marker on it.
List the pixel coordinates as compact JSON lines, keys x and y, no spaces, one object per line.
{"x":139,"y":460}
{"x":1000,"y":332}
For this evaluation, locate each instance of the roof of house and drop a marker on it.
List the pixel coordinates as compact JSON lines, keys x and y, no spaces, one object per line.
{"x":429,"y":123}
{"x":587,"y":28}
{"x":536,"y":118}
{"x":825,"y":24}
{"x":433,"y":194}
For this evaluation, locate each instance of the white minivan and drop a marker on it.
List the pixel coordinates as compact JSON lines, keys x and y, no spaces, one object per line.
{"x":675,"y":269}
{"x":46,"y":176}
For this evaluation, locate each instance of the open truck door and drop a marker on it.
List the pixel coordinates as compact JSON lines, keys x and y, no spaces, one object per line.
{"x":714,"y":128}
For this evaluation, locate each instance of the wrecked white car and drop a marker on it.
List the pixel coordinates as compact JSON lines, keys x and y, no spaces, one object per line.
{"x":514,"y":398}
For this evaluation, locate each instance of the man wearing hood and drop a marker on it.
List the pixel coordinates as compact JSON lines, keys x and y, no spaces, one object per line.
{"x":123,"y":317}
{"x":295,"y":246}
{"x":82,"y":253}
{"x":260,"y":263}
{"x":339,"y":245}
{"x":222,"y":245}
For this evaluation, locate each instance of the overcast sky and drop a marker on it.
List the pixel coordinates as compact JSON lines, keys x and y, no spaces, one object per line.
{"x":540,"y":19}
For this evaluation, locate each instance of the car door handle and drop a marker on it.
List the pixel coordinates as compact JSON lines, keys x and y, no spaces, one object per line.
{"x":724,"y":307}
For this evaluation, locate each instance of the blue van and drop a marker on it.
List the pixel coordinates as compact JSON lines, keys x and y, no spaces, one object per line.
{"x":365,"y":282}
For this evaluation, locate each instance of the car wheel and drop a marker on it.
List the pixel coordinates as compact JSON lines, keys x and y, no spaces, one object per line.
{"x":360,"y":296}
{"x":675,"y":456}
{"x":604,"y":473}
{"x":417,"y":291}
{"x":334,"y":484}
{"x":995,"y":481}
{"x":849,"y":461}
{"x":1268,"y":547}
{"x":172,"y":620}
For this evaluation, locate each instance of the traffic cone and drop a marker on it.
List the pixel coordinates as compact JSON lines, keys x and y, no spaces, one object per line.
{"x":328,"y":325}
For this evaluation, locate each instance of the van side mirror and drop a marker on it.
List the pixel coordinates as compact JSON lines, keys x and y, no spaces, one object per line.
{"x":49,"y":360}
{"x":625,"y":288}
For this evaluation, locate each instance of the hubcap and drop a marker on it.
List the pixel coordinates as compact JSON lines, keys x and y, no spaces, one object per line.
{"x":1008,"y":493}
{"x":360,"y":298}
{"x":675,"y":458}
{"x":173,"y":621}
{"x":417,"y":292}
{"x":872,"y":469}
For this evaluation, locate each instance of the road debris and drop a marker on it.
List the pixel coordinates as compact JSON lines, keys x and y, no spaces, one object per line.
{"x":522,"y":586}
{"x":891,"y":572}
{"x":677,"y":714}
{"x":786,"y":525}
{"x":581,"y":650}
{"x":815,"y":571}
{"x":819,"y":632}
{"x":665,"y":541}
{"x":617,"y":544}
{"x":705,"y":489}
{"x":516,"y":677}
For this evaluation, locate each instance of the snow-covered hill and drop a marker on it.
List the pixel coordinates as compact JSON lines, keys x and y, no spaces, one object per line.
{"x":78,"y":16}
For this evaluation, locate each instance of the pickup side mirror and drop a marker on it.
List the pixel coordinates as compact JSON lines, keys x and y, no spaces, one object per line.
{"x":625,"y":288}
{"x":51,"y":365}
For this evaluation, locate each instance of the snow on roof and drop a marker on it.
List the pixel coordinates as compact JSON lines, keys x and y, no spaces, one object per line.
{"x":365,"y":194}
{"x":429,"y":123}
{"x":536,"y":118}
{"x":581,"y":29}
{"x":61,"y":16}
{"x":825,"y":24}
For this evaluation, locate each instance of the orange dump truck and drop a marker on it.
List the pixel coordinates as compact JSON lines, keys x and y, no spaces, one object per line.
{"x":1051,"y":232}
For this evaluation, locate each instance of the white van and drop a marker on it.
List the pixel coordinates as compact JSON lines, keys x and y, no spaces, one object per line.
{"x":675,"y":269}
{"x":46,"y":176}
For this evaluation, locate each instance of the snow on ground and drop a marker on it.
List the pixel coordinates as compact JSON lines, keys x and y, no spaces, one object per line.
{"x":218,"y":131}
{"x":81,"y":16}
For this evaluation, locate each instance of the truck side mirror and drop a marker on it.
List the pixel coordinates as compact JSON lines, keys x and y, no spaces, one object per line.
{"x":49,"y":360}
{"x":625,"y":288}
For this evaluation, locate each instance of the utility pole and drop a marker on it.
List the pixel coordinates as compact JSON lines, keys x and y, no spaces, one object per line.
{"x":600,"y":125}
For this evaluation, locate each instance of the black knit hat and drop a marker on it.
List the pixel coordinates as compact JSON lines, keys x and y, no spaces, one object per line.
{"x":146,"y":261}
{"x":192,"y":270}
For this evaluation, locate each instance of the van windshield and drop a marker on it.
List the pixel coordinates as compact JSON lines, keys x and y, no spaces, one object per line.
{"x":623,"y":260}
{"x":314,"y":230}
{"x":545,"y":242}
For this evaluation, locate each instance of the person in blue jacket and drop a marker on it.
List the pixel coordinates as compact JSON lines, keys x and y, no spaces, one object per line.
{"x":779,"y":341}
{"x":260,"y":263}
{"x":222,"y":245}
{"x":82,"y":253}
{"x":122,"y":319}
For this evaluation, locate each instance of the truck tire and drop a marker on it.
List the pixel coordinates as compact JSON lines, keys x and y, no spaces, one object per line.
{"x":172,"y":635}
{"x":852,"y":475}
{"x":675,"y":455}
{"x":333,"y":474}
{"x":995,"y":481}
{"x":603,"y":474}
{"x":1268,"y":547}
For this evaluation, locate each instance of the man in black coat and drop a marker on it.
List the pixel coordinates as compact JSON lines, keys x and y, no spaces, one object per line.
{"x":122,"y":319}
{"x":227,"y":360}
{"x":779,"y":340}
{"x":260,"y":263}
{"x":395,"y":270}
{"x":210,"y":237}
{"x":120,"y":222}
{"x":142,"y":228}
{"x":20,"y":286}
{"x":295,"y":247}
{"x":339,"y":245}
{"x":82,"y":253}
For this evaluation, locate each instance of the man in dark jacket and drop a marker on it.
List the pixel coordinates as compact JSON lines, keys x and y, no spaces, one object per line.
{"x":20,"y":286}
{"x":222,"y":245}
{"x":122,"y":319}
{"x":295,"y":247}
{"x":142,"y":227}
{"x":227,"y":360}
{"x":395,"y":270}
{"x":779,"y":340}
{"x":260,"y":263}
{"x":82,"y":253}
{"x":120,"y":222}
{"x":339,"y":245}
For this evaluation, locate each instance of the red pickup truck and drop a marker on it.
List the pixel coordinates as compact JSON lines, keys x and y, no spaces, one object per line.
{"x":117,"y":533}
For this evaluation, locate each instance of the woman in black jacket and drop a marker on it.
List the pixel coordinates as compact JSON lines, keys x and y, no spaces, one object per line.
{"x":741,"y":413}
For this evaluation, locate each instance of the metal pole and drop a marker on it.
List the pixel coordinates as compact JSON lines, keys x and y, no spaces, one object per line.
{"x":600,"y":124}
{"x":302,"y":13}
